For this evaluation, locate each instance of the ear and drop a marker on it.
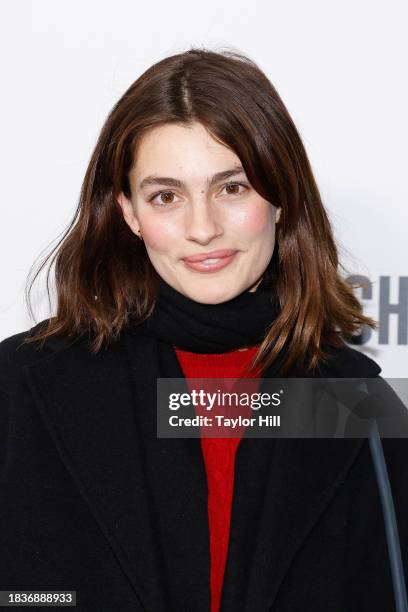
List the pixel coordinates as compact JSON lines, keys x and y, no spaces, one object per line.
{"x":278,"y":214}
{"x":128,"y":212}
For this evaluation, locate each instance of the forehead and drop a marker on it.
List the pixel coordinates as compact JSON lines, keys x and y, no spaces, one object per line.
{"x":188,"y":152}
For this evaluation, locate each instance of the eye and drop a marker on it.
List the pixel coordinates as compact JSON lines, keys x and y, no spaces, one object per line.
{"x":231,"y":184}
{"x":168,"y":193}
{"x":161,"y":193}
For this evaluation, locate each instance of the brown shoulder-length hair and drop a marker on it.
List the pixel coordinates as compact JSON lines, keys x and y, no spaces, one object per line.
{"x":102,"y":271}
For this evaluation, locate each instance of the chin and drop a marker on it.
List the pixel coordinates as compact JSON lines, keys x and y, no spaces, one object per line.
{"x":211,"y":295}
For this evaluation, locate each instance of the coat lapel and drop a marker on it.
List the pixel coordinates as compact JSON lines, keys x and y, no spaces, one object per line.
{"x":282,"y":487}
{"x":149,"y":495}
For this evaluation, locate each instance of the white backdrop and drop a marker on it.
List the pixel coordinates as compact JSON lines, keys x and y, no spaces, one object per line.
{"x":339,"y":67}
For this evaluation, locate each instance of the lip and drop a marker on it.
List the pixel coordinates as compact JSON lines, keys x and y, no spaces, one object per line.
{"x":211,"y":254}
{"x":200,"y":266}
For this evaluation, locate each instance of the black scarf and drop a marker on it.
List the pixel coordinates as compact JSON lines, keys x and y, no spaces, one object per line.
{"x":210,"y":328}
{"x":178,"y":321}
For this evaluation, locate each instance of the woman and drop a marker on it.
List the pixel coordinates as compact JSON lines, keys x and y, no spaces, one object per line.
{"x":200,"y":248}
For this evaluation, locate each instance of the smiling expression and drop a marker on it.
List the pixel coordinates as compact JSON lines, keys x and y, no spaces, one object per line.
{"x":190,"y":195}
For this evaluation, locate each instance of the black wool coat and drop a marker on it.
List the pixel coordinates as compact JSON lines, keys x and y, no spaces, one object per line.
{"x":93,"y":501}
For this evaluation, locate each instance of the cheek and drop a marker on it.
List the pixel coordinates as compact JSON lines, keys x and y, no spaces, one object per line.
{"x":159,"y":235}
{"x":256,"y":220}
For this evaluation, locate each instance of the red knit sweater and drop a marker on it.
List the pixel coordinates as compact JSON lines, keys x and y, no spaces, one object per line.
{"x":219,"y":457}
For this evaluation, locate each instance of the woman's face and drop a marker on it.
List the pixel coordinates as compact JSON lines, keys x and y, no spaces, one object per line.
{"x":182,"y":209}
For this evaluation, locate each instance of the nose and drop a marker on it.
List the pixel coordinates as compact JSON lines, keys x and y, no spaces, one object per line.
{"x":203,"y":223}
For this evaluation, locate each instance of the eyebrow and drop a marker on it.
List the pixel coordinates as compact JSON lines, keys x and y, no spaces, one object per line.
{"x":173,"y":182}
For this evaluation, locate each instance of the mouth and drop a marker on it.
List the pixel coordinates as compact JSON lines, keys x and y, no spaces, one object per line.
{"x":211,"y":264}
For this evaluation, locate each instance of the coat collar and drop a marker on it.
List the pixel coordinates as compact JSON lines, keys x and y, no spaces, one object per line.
{"x":149,"y":495}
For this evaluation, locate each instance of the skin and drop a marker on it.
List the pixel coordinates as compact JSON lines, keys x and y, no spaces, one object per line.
{"x":197,"y":217}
